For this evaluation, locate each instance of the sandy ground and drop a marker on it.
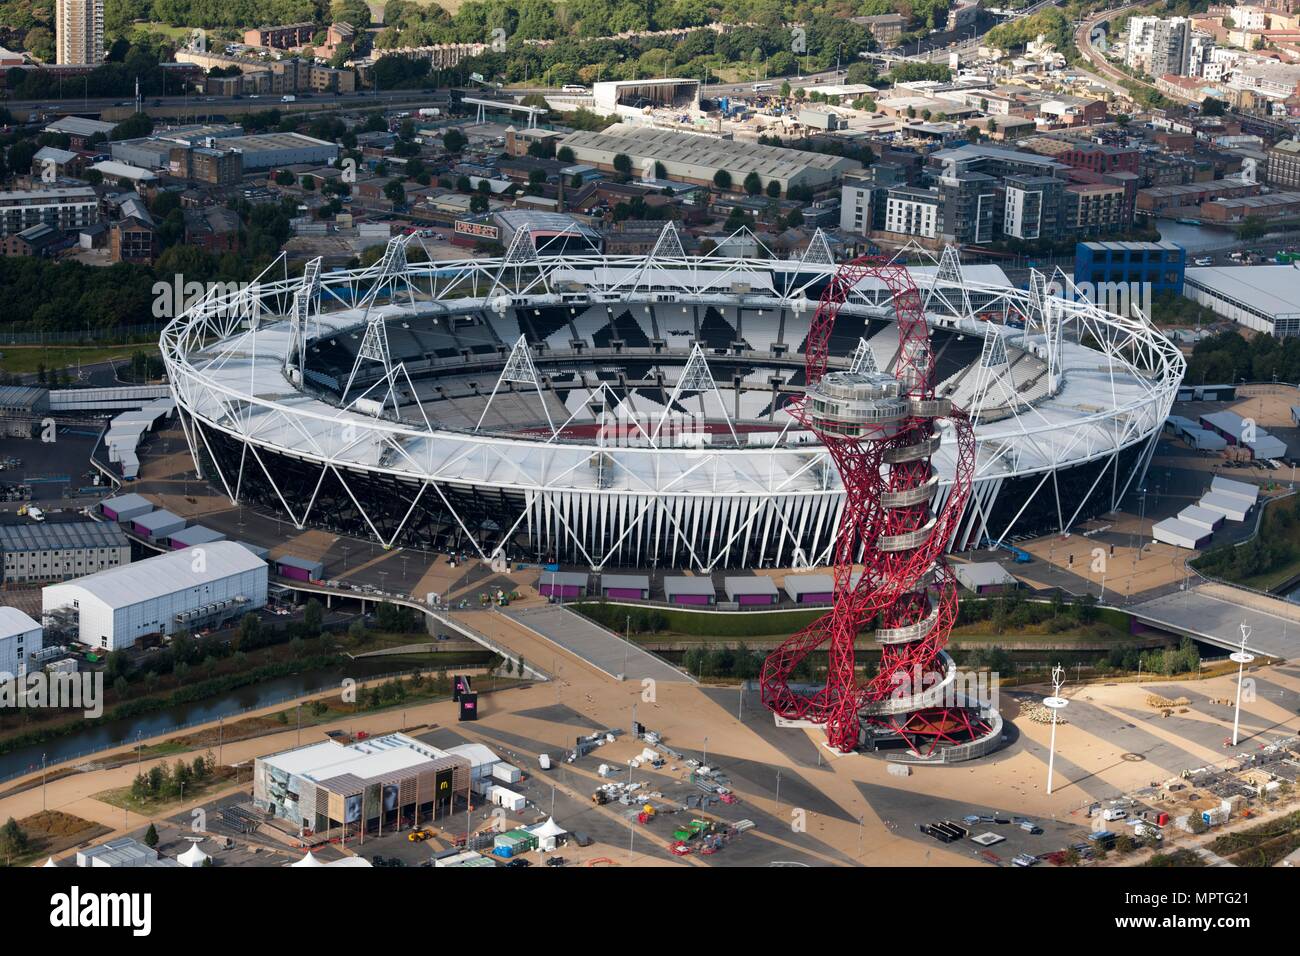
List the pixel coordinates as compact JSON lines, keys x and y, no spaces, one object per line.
{"x":1091,"y":755}
{"x":1131,"y":570}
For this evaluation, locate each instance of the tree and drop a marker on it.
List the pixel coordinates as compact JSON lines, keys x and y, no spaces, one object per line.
{"x":453,"y":141}
{"x":151,"y":836}
{"x":722,"y":180}
{"x":478,"y":203}
{"x":395,"y":191}
{"x":623,"y":164}
{"x":774,"y":190}
{"x":564,"y":154}
{"x":313,"y":616}
{"x":753,"y":183}
{"x":13,"y":839}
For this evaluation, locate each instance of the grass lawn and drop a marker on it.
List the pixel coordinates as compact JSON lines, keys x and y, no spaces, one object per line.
{"x":1271,"y":579}
{"x":53,"y":831}
{"x":123,"y":799}
{"x":21,"y":359}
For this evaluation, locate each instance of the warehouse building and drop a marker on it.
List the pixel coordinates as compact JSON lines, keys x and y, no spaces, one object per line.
{"x":758,"y":589}
{"x":194,"y":536}
{"x":299,"y":569}
{"x":331,"y":788}
{"x":24,"y":400}
{"x":56,"y":552}
{"x":1259,"y":297}
{"x":1181,"y":534}
{"x":562,"y":584}
{"x":125,"y":507}
{"x":20,"y":636}
{"x":679,"y":589}
{"x":810,"y":588}
{"x":1236,"y":430}
{"x":157,"y":526}
{"x":162,"y":595}
{"x":985,"y":577}
{"x":635,"y":587}
{"x":693,"y":158}
{"x":273,"y":150}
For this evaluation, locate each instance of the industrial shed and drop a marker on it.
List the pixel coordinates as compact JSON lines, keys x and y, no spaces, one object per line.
{"x":195,"y":535}
{"x":157,"y":525}
{"x":161,"y":595}
{"x":125,"y":507}
{"x":1206,"y":518}
{"x":810,"y":588}
{"x":679,"y":589}
{"x":627,"y":586}
{"x":299,"y":569}
{"x":1241,"y":489}
{"x":1180,"y":534}
{"x":562,"y":584}
{"x":1233,"y":428}
{"x":984,"y":577}
{"x":1231,"y":506}
{"x":758,"y":589}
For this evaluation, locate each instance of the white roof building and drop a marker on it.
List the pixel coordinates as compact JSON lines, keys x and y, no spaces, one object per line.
{"x":172,"y":592}
{"x":19,"y":636}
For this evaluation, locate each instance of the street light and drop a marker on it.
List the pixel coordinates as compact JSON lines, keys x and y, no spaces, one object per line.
{"x":1242,"y":657}
{"x":1055,"y":703}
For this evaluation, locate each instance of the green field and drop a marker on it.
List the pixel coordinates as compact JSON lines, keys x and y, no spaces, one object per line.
{"x":25,"y":359}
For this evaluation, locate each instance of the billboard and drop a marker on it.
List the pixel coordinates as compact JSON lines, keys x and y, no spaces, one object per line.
{"x":352,"y":808}
{"x":390,"y":797}
{"x":477,"y":230}
{"x":469,"y":706}
{"x":442,"y":786}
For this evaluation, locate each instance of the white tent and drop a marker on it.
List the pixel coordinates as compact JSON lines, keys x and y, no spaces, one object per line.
{"x":49,"y":862}
{"x":193,"y":856}
{"x":308,"y":860}
{"x":547,"y":833}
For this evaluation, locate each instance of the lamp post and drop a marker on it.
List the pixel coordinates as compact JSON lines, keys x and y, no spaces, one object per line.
{"x":1055,"y":703}
{"x":1242,"y":657}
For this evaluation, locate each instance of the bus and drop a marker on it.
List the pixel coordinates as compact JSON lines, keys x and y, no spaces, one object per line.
{"x":763,"y":87}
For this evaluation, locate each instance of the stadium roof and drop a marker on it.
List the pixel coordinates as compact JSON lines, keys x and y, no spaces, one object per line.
{"x":156,"y":577}
{"x":49,"y":536}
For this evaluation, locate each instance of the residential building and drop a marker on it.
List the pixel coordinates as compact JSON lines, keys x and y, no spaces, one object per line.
{"x":79,"y":32}
{"x":1157,"y":46}
{"x":887,"y":28}
{"x":912,"y":211}
{"x":1283,"y":170}
{"x":133,"y":239}
{"x":1093,"y":209}
{"x":63,"y":208}
{"x":283,"y":37}
{"x":1033,"y":207}
{"x":38,"y":240}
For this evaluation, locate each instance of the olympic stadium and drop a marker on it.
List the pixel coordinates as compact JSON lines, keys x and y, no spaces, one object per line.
{"x":561,"y":405}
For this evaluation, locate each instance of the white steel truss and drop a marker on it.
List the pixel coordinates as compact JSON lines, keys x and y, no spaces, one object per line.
{"x":519,"y":369}
{"x":599,"y":503}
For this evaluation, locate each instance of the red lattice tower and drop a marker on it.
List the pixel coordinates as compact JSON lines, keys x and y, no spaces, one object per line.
{"x":888,"y":531}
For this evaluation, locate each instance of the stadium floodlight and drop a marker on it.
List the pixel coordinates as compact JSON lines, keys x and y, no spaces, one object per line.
{"x":1056,"y":703}
{"x":1242,"y":657}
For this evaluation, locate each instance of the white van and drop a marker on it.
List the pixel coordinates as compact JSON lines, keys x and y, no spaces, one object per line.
{"x":1114,"y":813}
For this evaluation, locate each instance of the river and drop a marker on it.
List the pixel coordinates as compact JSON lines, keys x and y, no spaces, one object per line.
{"x":100,"y":734}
